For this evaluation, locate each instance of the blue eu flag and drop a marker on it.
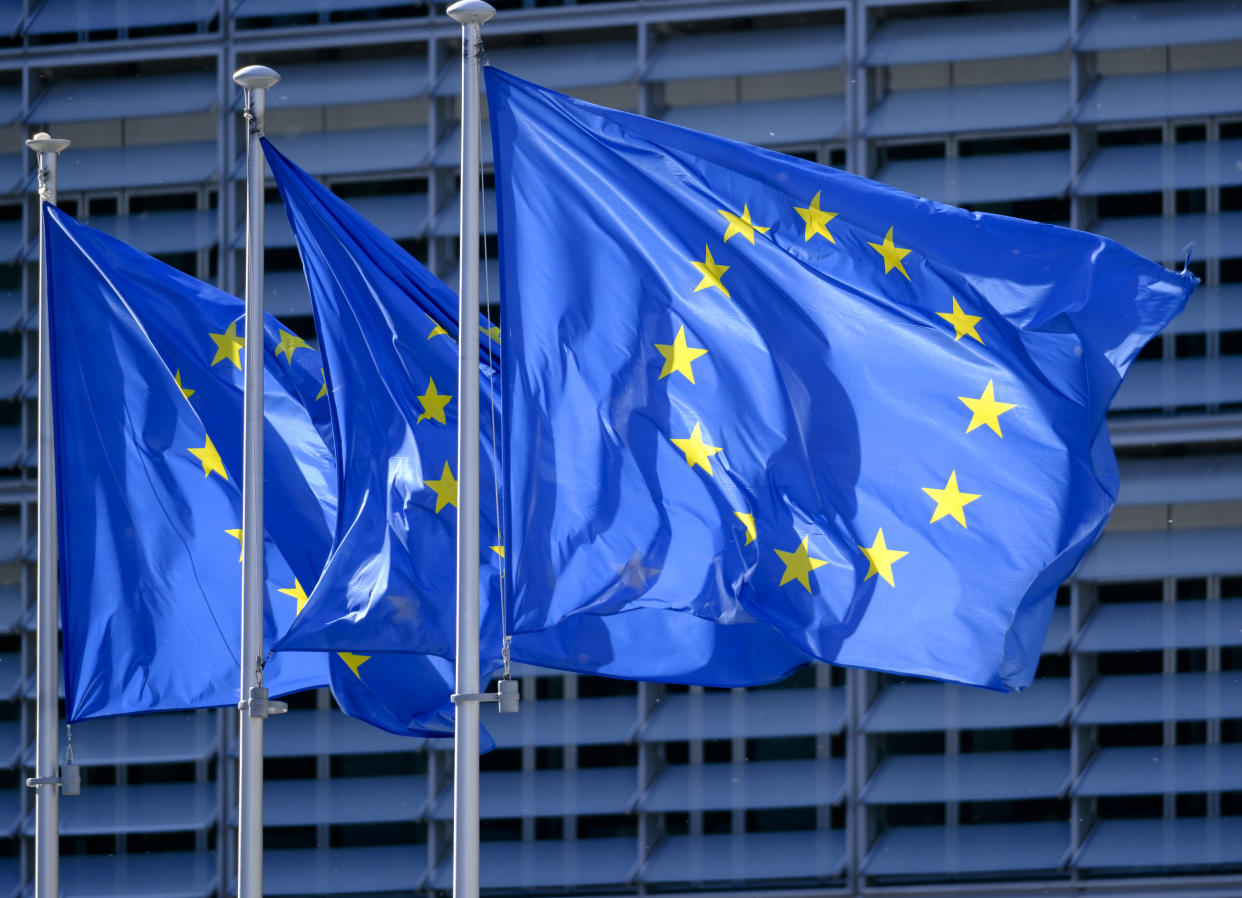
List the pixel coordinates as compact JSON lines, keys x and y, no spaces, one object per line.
{"x":745,"y":386}
{"x":386,"y":324}
{"x":147,"y":397}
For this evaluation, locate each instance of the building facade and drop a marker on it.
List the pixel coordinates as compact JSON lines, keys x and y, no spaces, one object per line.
{"x":1119,"y":772}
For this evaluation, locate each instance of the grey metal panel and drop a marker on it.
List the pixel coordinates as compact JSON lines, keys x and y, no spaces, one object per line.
{"x":10,"y":742}
{"x":10,"y":675}
{"x":249,"y":8}
{"x":11,"y":541}
{"x":101,"y":99}
{"x":10,"y":812}
{"x":328,"y":732}
{"x":979,"y":776}
{"x":1151,"y":698}
{"x":285,"y":294}
{"x":346,"y":82}
{"x":1157,"y":383}
{"x":145,"y":808}
{"x":11,"y":240}
{"x":1120,"y":556}
{"x":448,"y":218}
{"x":766,"y":122}
{"x":187,"y":230}
{"x":11,"y":377}
{"x":1057,"y":640}
{"x":10,"y":111}
{"x":587,"y":721}
{"x":538,"y":865}
{"x":1146,"y":626}
{"x":959,"y":109}
{"x":911,"y":707}
{"x":986,"y":848}
{"x":1179,"y":842}
{"x":336,"y":152}
{"x":1169,"y":769}
{"x":900,"y":41}
{"x":164,"y":874}
{"x":581,"y":64}
{"x":1160,"y":24}
{"x":981,"y":179}
{"x":137,"y":166}
{"x":143,"y":739}
{"x":55,"y":16}
{"x":1119,"y":98}
{"x":549,"y":793}
{"x":761,"y":714}
{"x":330,"y":871}
{"x":760,"y":784}
{"x":1159,"y":481}
{"x":735,"y":53}
{"x":1150,"y":167}
{"x":767,"y":856}
{"x":354,"y":799}
{"x":1166,"y":239}
{"x":12,"y":605}
{"x":1217,"y":308}
{"x":10,"y":309}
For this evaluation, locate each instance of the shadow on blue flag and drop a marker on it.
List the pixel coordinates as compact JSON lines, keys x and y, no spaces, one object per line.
{"x":747,"y":387}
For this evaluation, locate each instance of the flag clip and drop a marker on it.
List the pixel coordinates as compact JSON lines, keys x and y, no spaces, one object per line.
{"x":506,"y":695}
{"x":260,"y":706}
{"x":70,"y":780}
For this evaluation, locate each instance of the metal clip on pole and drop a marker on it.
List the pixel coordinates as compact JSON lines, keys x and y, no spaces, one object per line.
{"x":506,"y":695}
{"x":260,"y":706}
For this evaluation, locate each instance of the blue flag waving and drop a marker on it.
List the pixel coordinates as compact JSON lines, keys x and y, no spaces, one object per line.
{"x":746,"y":386}
{"x":147,"y":395}
{"x":386,"y":322}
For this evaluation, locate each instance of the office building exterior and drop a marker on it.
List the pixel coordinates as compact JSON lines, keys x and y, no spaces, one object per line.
{"x":1119,"y":772}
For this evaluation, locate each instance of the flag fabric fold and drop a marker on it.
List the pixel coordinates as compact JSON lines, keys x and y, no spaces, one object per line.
{"x":747,"y":387}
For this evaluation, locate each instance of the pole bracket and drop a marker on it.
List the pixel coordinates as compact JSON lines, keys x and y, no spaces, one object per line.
{"x":506,"y":695}
{"x":259,"y":706}
{"x":70,"y":780}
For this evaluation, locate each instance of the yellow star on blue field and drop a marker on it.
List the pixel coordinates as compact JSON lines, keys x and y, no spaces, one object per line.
{"x":892,"y":254}
{"x":950,"y":501}
{"x":963,"y":324}
{"x":445,"y":488}
{"x":433,"y":403}
{"x":288,"y":343}
{"x":741,"y":225}
{"x":712,"y":273}
{"x":437,"y":331}
{"x":697,"y":452}
{"x":354,"y":661}
{"x":799,"y":564}
{"x":323,"y":391}
{"x":748,"y":521}
{"x":210,"y":459}
{"x":881,"y":558}
{"x":634,"y":574}
{"x":237,"y":535}
{"x":678,"y":356}
{"x":816,"y":220}
{"x":187,"y":393}
{"x":298,"y":593}
{"x":986,"y":410}
{"x":493,"y":331}
{"x":228,"y":346}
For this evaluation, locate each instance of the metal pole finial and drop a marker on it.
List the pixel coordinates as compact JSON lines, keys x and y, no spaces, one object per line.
{"x":255,"y":76}
{"x":471,"y":12}
{"x":46,"y":143}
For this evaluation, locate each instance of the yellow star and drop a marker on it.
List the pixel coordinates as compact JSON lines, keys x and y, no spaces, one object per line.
{"x":748,"y":521}
{"x":433,"y":403}
{"x":712,"y":273}
{"x":798,"y":564}
{"x":323,"y":391}
{"x":816,"y":220}
{"x":237,"y":535}
{"x":493,"y":331}
{"x":210,"y":459}
{"x":499,"y":550}
{"x":288,"y":343}
{"x":880,"y":558}
{"x":634,"y":575}
{"x":354,"y":661}
{"x":445,"y":488}
{"x":963,"y":324}
{"x":950,"y":501}
{"x":678,"y":356}
{"x":892,"y":254}
{"x":697,"y":452}
{"x":986,"y":410}
{"x":437,"y":331}
{"x":184,"y":392}
{"x":741,"y":225}
{"x":228,"y":346}
{"x":298,"y":593}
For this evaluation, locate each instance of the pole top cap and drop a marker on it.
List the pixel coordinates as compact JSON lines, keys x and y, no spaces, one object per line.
{"x":254,"y":77}
{"x":471,"y":12}
{"x":46,"y":143}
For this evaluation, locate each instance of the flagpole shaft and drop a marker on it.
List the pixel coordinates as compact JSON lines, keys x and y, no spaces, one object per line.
{"x":47,"y":794}
{"x":255,"y":80}
{"x":471,"y":14}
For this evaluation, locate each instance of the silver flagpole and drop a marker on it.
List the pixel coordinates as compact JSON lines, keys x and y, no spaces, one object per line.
{"x":46,"y":780}
{"x":471,"y":14}
{"x":254,"y":706}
